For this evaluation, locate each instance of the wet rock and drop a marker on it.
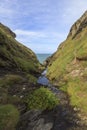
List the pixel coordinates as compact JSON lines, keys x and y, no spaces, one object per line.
{"x":35,"y":120}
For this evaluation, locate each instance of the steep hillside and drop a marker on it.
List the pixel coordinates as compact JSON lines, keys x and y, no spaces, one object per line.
{"x":68,"y":66}
{"x":19,"y":69}
{"x":14,"y":55}
{"x":19,"y":66}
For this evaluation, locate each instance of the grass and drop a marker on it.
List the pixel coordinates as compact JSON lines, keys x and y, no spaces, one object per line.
{"x":77,"y":90}
{"x":9,"y":117}
{"x":14,"y":54}
{"x":65,"y":61}
{"x":66,"y":55}
{"x":31,"y":79}
{"x":42,"y":99}
{"x":5,"y":83}
{"x":9,"y":80}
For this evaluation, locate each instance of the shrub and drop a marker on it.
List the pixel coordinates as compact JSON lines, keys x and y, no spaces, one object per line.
{"x":9,"y":117}
{"x":42,"y":98}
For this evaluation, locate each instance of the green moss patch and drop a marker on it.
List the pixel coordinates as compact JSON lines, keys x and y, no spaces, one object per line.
{"x":9,"y":117}
{"x":42,"y":98}
{"x":9,"y":80}
{"x":31,"y":78}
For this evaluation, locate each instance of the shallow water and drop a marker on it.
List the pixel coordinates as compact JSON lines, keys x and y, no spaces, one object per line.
{"x":43,"y":79}
{"x":67,"y":119}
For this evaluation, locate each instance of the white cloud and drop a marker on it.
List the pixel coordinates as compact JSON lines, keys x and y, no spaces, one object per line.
{"x":40,"y":41}
{"x":73,"y":10}
{"x":38,"y":34}
{"x":29,"y":33}
{"x":41,"y":21}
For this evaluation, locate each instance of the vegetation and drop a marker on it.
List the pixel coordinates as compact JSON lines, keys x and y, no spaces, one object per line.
{"x":14,"y":54}
{"x":42,"y":98}
{"x":16,"y":61}
{"x":19,"y":68}
{"x":31,"y":79}
{"x":6,"y":82}
{"x":77,"y":90}
{"x":68,"y":68}
{"x":9,"y":80}
{"x":9,"y":117}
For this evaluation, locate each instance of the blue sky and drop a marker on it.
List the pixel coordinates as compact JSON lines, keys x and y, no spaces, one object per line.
{"x":41,"y":24}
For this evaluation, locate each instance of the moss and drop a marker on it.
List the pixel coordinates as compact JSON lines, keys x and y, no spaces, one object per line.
{"x":31,"y":79}
{"x":9,"y":80}
{"x":14,"y":54}
{"x":27,"y":66}
{"x":42,"y":98}
{"x":6,"y":83}
{"x":9,"y":117}
{"x":14,"y":100}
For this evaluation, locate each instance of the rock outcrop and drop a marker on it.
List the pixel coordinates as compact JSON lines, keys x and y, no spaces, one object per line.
{"x":78,"y":26}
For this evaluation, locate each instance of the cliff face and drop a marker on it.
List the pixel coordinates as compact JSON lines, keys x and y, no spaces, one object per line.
{"x":68,"y":66}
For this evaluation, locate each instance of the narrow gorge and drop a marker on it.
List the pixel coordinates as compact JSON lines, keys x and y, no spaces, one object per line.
{"x":49,"y":96}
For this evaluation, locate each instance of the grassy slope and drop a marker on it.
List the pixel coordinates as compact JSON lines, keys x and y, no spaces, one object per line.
{"x":68,"y":69}
{"x":19,"y":66}
{"x":17,"y":62}
{"x":19,"y":69}
{"x":14,"y":55}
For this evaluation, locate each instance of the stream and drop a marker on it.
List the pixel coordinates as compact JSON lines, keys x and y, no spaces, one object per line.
{"x":43,"y":80}
{"x":66,"y":119}
{"x":61,"y":117}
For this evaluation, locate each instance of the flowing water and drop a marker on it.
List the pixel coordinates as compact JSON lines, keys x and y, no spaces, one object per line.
{"x":43,"y":80}
{"x":67,"y":119}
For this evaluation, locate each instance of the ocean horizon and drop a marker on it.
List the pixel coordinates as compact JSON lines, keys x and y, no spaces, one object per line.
{"x":42,"y":57}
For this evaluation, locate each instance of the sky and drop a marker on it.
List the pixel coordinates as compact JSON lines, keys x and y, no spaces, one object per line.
{"x":41,"y":24}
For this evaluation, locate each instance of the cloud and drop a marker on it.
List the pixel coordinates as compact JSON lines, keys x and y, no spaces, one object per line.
{"x":38,"y":34}
{"x":29,"y":33}
{"x":73,"y":10}
{"x":41,"y":22}
{"x":45,"y":42}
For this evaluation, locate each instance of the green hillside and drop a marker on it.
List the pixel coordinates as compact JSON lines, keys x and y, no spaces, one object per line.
{"x":14,"y":55}
{"x":68,"y":66}
{"x":19,"y":70}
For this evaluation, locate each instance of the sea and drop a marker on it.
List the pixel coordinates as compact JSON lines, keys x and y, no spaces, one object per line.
{"x":42,"y":57}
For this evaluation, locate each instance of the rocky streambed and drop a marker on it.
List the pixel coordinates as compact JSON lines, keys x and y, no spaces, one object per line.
{"x":63,"y":117}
